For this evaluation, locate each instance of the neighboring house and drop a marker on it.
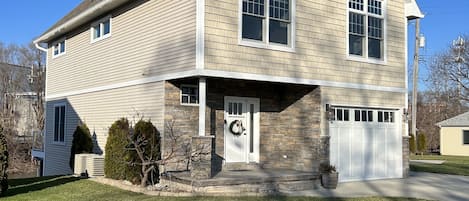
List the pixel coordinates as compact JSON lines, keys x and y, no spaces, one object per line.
{"x":17,"y":101}
{"x":454,"y":135}
{"x":301,"y":77}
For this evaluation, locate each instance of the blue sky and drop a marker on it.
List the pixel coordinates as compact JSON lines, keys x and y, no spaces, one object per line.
{"x":444,"y":21}
{"x":24,"y":20}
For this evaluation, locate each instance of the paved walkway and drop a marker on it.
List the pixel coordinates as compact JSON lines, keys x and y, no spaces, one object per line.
{"x":419,"y":185}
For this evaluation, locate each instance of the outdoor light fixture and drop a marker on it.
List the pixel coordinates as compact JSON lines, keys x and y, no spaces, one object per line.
{"x":330,"y":115}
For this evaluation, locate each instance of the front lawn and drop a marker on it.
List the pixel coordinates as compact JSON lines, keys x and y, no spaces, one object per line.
{"x":70,"y":188}
{"x":458,"y":165}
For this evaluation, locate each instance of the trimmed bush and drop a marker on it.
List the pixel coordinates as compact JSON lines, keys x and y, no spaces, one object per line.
{"x":421,"y":143}
{"x":412,"y":144}
{"x":3,"y":163}
{"x":82,"y":143}
{"x":116,"y":157}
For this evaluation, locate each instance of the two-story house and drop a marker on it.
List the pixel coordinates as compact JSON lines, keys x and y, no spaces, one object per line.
{"x":280,"y":84}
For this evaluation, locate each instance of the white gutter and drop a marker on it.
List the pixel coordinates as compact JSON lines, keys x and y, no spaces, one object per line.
{"x":39,"y":47}
{"x":85,"y":16}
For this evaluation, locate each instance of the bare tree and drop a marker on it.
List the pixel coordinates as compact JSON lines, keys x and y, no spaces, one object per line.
{"x":21,"y":72}
{"x":174,"y":147}
{"x":447,"y":92}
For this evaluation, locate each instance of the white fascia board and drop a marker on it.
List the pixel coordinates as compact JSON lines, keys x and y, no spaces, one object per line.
{"x":228,"y":75}
{"x":93,"y":12}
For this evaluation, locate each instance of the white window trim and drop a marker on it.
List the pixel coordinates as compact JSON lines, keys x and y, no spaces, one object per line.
{"x":266,"y":44}
{"x":197,"y":94}
{"x":65,"y":123}
{"x":58,"y":42}
{"x":101,"y":26}
{"x":365,"y":57}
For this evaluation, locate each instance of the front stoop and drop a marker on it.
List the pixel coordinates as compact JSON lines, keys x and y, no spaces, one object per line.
{"x":262,"y":182}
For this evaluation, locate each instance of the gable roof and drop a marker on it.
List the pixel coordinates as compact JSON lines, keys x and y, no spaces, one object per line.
{"x":412,"y":10}
{"x":83,"y":13}
{"x":460,"y":120}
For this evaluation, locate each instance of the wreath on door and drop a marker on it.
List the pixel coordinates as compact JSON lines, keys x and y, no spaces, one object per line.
{"x":236,"y":127}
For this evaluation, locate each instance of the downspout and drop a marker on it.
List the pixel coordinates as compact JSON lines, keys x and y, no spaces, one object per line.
{"x":36,"y":44}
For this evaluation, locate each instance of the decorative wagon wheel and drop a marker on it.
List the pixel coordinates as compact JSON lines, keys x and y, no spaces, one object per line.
{"x":237,"y":128}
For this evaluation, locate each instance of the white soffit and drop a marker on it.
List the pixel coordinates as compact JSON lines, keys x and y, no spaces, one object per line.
{"x":412,"y":10}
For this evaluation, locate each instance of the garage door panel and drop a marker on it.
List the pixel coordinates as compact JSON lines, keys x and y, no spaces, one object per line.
{"x":345,"y":148}
{"x":364,"y":150}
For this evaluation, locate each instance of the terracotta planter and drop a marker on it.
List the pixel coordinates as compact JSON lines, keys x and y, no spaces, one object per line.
{"x":330,"y":180}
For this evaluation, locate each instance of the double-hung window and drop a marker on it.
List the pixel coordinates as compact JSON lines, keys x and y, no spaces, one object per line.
{"x":58,"y":48}
{"x":101,"y":29}
{"x":59,"y":123}
{"x":267,"y":22}
{"x":366,"y":29}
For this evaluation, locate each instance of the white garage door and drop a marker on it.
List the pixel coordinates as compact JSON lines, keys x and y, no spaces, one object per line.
{"x":365,"y":143}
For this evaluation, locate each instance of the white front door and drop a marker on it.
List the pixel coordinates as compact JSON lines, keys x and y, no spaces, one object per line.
{"x":241,"y":129}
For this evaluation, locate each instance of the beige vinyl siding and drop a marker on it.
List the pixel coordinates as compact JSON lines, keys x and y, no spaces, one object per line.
{"x":451,"y":141}
{"x":99,"y":110}
{"x":148,"y":38}
{"x":321,"y":44}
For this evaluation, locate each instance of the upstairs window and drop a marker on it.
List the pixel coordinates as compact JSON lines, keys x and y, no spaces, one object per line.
{"x":101,"y":29}
{"x":366,"y":29}
{"x":58,"y":48}
{"x":189,"y":95}
{"x":268,"y":22}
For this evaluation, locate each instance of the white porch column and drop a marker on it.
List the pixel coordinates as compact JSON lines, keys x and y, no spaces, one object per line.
{"x":202,"y":105}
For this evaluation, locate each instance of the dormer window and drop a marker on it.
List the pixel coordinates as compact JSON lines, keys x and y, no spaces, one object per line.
{"x":58,"y":48}
{"x":267,"y":23}
{"x":366,"y":29}
{"x":101,"y":29}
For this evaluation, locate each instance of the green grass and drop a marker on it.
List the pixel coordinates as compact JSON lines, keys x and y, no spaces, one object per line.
{"x":457,"y":165}
{"x":70,"y":188}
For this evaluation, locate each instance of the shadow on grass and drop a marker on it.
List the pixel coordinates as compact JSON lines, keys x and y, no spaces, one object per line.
{"x":27,"y":185}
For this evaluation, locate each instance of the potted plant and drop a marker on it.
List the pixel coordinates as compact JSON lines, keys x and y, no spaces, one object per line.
{"x":329,"y":176}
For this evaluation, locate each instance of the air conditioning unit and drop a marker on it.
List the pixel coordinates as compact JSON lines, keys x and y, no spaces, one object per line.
{"x":93,"y":164}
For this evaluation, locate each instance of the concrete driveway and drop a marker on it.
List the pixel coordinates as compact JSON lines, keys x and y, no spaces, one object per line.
{"x":419,"y":185}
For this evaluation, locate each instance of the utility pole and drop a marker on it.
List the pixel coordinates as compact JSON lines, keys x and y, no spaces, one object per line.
{"x":415,"y":80}
{"x":459,"y":46}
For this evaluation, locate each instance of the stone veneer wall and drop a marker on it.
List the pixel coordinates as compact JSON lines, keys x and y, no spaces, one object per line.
{"x":289,"y":121}
{"x":183,"y":122}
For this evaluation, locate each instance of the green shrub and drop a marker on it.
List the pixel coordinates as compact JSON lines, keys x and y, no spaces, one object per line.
{"x":121,"y":162}
{"x":421,"y":142}
{"x":3,"y":163}
{"x":412,"y":144}
{"x":149,"y":132}
{"x":115,"y":165}
{"x":82,"y":143}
